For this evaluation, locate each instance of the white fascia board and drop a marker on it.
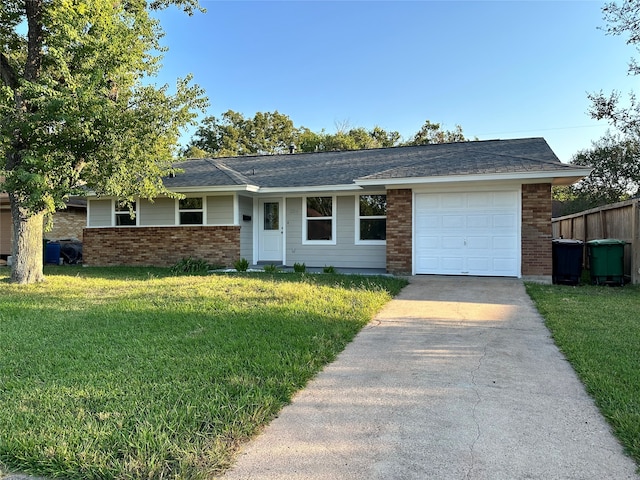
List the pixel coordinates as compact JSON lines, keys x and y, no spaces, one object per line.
{"x":559,"y":177}
{"x":224,"y":188}
{"x":309,"y":189}
{"x":201,"y":189}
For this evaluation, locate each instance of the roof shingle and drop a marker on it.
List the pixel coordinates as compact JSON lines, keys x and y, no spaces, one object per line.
{"x":345,"y":167}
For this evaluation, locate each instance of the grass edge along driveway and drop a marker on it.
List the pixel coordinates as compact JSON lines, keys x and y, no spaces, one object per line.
{"x":598,"y":330}
{"x":134,"y":373}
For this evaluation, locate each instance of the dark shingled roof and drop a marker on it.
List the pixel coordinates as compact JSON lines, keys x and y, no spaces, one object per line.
{"x":345,"y":167}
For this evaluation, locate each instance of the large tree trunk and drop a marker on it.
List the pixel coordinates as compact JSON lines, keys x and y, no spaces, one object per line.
{"x":27,"y":245}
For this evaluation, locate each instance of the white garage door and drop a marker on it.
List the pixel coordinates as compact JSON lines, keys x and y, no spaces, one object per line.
{"x":475,"y":233}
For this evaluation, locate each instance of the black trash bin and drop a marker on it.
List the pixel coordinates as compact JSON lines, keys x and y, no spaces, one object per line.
{"x":567,"y":261}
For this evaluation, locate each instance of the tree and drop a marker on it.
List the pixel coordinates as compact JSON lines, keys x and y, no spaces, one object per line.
{"x":615,"y":177}
{"x":434,"y":133}
{"x":235,"y":135}
{"x":621,"y":19}
{"x":616,"y":169}
{"x":78,"y":109}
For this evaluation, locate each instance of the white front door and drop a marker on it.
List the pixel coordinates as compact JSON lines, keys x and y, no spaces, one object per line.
{"x":473,"y":233}
{"x":271,"y":231}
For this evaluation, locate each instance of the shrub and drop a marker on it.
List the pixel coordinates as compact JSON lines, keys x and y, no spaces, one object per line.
{"x":329,"y":269}
{"x":299,"y":267}
{"x":190,"y":265}
{"x":241,"y":265}
{"x":271,"y":268}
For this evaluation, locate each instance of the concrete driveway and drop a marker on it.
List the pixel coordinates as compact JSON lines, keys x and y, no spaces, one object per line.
{"x":457,"y":378}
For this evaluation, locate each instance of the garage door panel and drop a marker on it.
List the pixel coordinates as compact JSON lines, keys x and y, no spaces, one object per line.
{"x":453,"y":221}
{"x":484,"y":200}
{"x":430,"y":221}
{"x":452,"y":200}
{"x":504,"y":243}
{"x":451,"y":265}
{"x":475,"y":243}
{"x":506,"y":221}
{"x":478,"y":265}
{"x":473,"y":233}
{"x":451,"y":242}
{"x":428,"y":263}
{"x":505,"y":199}
{"x":479,"y":221}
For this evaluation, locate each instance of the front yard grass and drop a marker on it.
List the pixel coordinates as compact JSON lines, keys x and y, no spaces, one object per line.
{"x":134,"y":373}
{"x":598,"y":330}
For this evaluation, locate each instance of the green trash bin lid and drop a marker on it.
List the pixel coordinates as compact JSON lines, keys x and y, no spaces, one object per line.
{"x":606,"y":241}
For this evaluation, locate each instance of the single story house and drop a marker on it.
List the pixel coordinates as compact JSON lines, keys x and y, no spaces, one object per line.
{"x":468,"y":208}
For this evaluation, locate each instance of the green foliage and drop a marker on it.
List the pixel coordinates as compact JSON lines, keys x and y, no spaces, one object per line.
{"x":190,"y":265}
{"x":233,"y":134}
{"x":598,"y":331}
{"x":274,"y":133}
{"x":271,"y":268}
{"x":615,"y":177}
{"x":433,"y":133}
{"x":78,"y":106}
{"x":299,"y":267}
{"x":135,"y":373}
{"x":329,"y":269}
{"x":622,"y":19}
{"x":241,"y":265}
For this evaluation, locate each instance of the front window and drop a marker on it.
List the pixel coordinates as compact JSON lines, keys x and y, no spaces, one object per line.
{"x":191,"y":211}
{"x":319,"y":219}
{"x":125,"y":216}
{"x":372,"y":218}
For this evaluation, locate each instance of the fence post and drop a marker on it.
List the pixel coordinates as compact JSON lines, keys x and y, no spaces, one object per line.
{"x":635,"y":243}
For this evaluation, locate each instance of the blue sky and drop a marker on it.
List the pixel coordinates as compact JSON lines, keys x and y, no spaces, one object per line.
{"x":503,"y":69}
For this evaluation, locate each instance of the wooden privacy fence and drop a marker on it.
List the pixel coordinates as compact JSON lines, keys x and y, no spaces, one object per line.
{"x":618,"y":220}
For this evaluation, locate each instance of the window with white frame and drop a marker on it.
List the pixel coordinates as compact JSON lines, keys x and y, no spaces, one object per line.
{"x":125,"y":214}
{"x":319,"y":219}
{"x":371,"y":218}
{"x":191,"y":211}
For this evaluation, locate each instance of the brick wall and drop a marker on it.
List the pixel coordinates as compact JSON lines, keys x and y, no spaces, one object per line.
{"x":399,"y":240}
{"x":536,"y":230}
{"x":67,"y":224}
{"x":160,"y":246}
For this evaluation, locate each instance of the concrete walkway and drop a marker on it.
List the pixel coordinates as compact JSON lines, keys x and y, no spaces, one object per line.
{"x":457,"y":378}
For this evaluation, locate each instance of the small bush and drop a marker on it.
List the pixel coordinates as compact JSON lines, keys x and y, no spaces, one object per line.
{"x":190,"y":265}
{"x":241,"y":265}
{"x":329,"y":269}
{"x":299,"y":267}
{"x":271,"y":268}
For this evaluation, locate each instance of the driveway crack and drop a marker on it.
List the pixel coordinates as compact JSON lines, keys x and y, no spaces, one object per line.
{"x":474,"y":416}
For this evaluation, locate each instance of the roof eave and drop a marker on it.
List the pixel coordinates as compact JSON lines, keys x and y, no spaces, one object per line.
{"x":310,"y":188}
{"x":556,"y":177}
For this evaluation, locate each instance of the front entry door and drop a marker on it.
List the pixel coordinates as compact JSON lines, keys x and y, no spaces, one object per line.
{"x":271,"y":231}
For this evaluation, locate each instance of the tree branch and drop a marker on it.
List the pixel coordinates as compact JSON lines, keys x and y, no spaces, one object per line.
{"x":33,"y":9}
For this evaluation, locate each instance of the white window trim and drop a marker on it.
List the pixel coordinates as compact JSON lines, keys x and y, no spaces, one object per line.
{"x":334,"y":206}
{"x":358,"y":241}
{"x":203,"y":210}
{"x":115,"y":214}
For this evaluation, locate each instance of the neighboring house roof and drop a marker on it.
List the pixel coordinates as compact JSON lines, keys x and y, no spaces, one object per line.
{"x":518,"y":158}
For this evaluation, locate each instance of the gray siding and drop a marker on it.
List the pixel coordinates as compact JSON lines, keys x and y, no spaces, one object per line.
{"x":344,"y":254}
{"x":246,"y":228}
{"x":162,"y":211}
{"x":99,"y":213}
{"x":220,"y":210}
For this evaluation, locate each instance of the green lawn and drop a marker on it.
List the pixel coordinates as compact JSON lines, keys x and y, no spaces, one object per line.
{"x":598,"y":330}
{"x":134,"y":373}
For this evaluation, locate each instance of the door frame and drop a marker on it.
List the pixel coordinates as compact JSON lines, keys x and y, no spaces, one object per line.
{"x":258,"y":238}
